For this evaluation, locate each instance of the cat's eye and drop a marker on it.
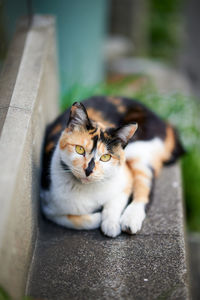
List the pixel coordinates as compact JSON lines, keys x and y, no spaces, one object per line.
{"x":80,"y":150}
{"x":105,"y":157}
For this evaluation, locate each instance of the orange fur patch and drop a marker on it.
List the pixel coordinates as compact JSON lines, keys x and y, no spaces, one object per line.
{"x":63,"y":141}
{"x":49,"y":147}
{"x":98,"y":117}
{"x":163,"y":156}
{"x":127,"y":190}
{"x":140,"y":189}
{"x":132,"y":131}
{"x":169,"y":141}
{"x":135,"y":171}
{"x":73,"y":109}
{"x":55,"y":130}
{"x":157,"y":165}
{"x":91,"y":131}
{"x":129,"y":187}
{"x":115,"y":101}
{"x":102,"y":148}
{"x":77,"y":162}
{"x":79,"y":221}
{"x":118,"y":103}
{"x":76,"y":138}
{"x":121,"y":108}
{"x":85,"y":163}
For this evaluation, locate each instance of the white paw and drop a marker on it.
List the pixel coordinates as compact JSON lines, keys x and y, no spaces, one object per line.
{"x":132,"y":218}
{"x":110,"y":227}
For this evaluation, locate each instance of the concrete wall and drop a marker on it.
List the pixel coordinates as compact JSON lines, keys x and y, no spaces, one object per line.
{"x":29,"y":97}
{"x":80,"y":34}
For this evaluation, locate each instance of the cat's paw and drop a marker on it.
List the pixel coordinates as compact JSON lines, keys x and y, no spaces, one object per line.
{"x":132,"y":218}
{"x":110,"y":227}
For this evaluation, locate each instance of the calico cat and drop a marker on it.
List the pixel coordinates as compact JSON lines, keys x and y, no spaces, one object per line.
{"x":98,"y":155}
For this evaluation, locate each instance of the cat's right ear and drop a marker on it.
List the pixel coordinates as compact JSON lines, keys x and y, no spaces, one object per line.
{"x":78,"y":117}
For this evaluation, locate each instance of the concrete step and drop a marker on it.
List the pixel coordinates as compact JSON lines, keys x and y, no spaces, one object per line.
{"x":69,"y":264}
{"x":194,"y":263}
{"x":29,"y":93}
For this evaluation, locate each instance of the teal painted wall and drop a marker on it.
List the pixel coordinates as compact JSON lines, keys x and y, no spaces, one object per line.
{"x":80,"y":34}
{"x":81,"y":28}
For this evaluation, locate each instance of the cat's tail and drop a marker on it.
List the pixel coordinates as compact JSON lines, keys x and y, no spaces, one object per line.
{"x":173,"y":146}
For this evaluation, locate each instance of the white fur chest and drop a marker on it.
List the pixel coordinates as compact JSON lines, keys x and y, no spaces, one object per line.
{"x":69,"y":196}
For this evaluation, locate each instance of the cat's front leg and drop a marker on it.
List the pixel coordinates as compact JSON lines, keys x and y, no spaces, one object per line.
{"x":134,"y":215}
{"x":111,"y":213}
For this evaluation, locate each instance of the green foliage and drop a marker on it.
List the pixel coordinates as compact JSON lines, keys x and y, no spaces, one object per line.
{"x":180,"y":110}
{"x":164,"y":27}
{"x":79,"y":92}
{"x":191,"y":180}
{"x":5,"y":296}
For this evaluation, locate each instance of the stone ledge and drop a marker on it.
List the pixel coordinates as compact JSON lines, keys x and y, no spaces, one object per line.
{"x":71,"y":264}
{"x":29,"y":90}
{"x":10,"y":70}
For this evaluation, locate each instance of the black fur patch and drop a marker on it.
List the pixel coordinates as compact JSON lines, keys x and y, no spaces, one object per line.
{"x":90,"y":167}
{"x":95,"y":140}
{"x":109,"y":139}
{"x":74,"y":120}
{"x":64,"y":165}
{"x":92,"y":131}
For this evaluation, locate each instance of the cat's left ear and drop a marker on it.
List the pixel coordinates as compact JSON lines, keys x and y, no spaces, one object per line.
{"x":125,"y":133}
{"x":78,"y":117}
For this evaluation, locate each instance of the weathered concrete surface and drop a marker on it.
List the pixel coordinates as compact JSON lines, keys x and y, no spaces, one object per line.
{"x":71,"y":264}
{"x":194,"y":263}
{"x":29,"y":97}
{"x":10,"y":70}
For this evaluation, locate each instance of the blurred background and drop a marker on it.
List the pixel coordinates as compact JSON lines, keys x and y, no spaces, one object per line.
{"x":145,"y":49}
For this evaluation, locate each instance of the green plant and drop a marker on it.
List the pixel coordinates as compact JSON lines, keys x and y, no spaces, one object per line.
{"x":5,"y":296}
{"x":164,"y":28}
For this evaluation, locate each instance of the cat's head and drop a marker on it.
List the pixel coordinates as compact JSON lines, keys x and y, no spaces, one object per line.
{"x":92,"y":151}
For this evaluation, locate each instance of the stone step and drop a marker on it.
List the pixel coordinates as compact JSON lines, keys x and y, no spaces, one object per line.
{"x":29,"y":93}
{"x":194,"y":263}
{"x":71,"y":264}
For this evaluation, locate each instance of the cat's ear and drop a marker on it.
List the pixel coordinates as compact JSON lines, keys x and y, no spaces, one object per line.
{"x":78,"y":117}
{"x":125,"y":133}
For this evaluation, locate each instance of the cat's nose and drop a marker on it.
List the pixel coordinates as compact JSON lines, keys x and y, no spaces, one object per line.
{"x":90,"y":167}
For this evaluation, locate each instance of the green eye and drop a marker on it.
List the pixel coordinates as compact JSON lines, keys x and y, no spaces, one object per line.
{"x":80,"y":150}
{"x":105,"y":157}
